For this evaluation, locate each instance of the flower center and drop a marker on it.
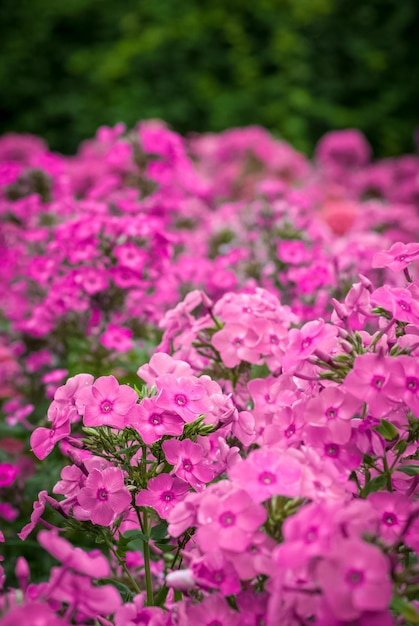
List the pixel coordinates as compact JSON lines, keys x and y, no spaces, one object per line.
{"x":332,"y":450}
{"x":403,"y":305}
{"x":181,"y":399}
{"x":377,"y":382}
{"x":102,"y":494}
{"x":187,"y":465}
{"x":354,"y":577}
{"x":331,"y":413}
{"x":389,"y":519}
{"x":274,"y":340}
{"x":167,"y":496}
{"x":267,"y":478}
{"x":237,"y":342}
{"x":227,"y":519}
{"x":306,"y":343}
{"x":155,"y":419}
{"x":412,"y":383}
{"x":290,"y":431}
{"x":106,"y":406}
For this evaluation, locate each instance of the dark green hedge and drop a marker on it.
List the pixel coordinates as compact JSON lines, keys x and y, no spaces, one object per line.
{"x":298,"y":67}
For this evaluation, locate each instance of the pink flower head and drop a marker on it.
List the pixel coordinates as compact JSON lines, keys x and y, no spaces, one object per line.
{"x":117,"y":338}
{"x":237,"y":342}
{"x":94,"y":564}
{"x":153,"y":422}
{"x":212,"y":611}
{"x":186,"y":396}
{"x":229,"y":522}
{"x":160,"y":364}
{"x":36,"y":612}
{"x":399,"y":302}
{"x":8,"y":473}
{"x":334,"y":409}
{"x":188,"y":459}
{"x":266,"y":473}
{"x":42,"y":439}
{"x":133,"y":613}
{"x":355,"y":578}
{"x":398,"y":257}
{"x":372,"y":380}
{"x":104,"y":495}
{"x":163,"y":493}
{"x":106,"y":403}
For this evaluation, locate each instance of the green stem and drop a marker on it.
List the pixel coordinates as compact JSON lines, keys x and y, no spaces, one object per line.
{"x":122,"y":564}
{"x":147,"y":562}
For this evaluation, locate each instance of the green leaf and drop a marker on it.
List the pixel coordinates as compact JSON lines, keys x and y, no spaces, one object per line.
{"x":406,"y":610}
{"x":387,"y":430}
{"x":410,"y":470}
{"x":126,"y":593}
{"x":377,"y":483}
{"x":159,"y":532}
{"x":161,"y":596}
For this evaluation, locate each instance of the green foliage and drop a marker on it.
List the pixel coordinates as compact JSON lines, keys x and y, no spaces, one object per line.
{"x":298,"y":67}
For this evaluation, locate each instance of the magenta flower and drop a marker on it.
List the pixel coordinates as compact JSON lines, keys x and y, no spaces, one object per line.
{"x":185,"y":396}
{"x":334,"y":409}
{"x":152,"y":422}
{"x":398,"y":257}
{"x":163,"y":493}
{"x":355,"y":578}
{"x":189,"y":462}
{"x":104,"y":495}
{"x":117,"y":338}
{"x":237,"y":342}
{"x":371,"y":380}
{"x":8,"y":473}
{"x":93,"y":564}
{"x":106,"y":403}
{"x":212,"y":611}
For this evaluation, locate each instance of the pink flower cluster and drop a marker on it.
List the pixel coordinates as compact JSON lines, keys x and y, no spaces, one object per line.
{"x":243,"y":447}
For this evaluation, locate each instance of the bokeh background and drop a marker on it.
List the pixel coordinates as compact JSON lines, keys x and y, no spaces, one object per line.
{"x":297,"y":67}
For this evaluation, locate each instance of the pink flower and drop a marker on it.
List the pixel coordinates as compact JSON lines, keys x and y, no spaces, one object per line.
{"x":185,"y":396}
{"x":93,"y":564}
{"x":212,"y":611}
{"x":372,"y":380}
{"x":162,"y":494}
{"x":189,"y":462}
{"x":117,"y":338}
{"x":153,"y":422}
{"x":104,"y":495}
{"x":228,"y":523}
{"x":160,"y":364}
{"x":237,"y":342}
{"x":266,"y":473}
{"x":355,"y":578}
{"x":334,"y":409}
{"x":36,"y":612}
{"x":8,"y":473}
{"x":106,"y":403}
{"x":398,"y":257}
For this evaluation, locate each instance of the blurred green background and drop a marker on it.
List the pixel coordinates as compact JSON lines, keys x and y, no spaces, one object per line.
{"x":297,"y":67}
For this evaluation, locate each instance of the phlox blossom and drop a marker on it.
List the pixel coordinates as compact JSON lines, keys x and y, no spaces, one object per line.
{"x":106,"y":403}
{"x":266,"y":473}
{"x":153,"y":422}
{"x":188,"y":459}
{"x":229,"y":522}
{"x":162,"y":494}
{"x":104,"y":495}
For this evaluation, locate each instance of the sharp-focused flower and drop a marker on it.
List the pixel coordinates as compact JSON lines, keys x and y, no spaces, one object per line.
{"x":104,"y":495}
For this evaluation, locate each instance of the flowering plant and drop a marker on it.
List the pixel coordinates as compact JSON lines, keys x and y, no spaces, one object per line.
{"x":227,"y":441}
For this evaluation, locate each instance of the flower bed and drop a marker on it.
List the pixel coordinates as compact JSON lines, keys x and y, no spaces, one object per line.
{"x":209,"y":380}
